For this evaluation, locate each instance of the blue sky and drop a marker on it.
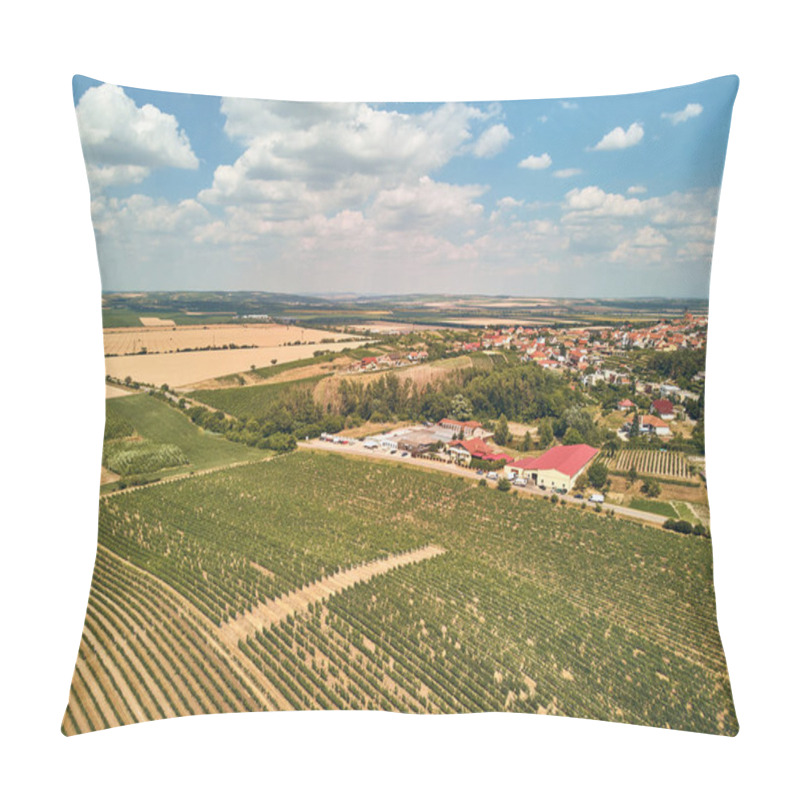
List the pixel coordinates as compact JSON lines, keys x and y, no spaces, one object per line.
{"x":604,"y":197}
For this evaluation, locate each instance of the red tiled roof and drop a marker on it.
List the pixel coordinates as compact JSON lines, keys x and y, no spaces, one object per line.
{"x":648,"y":419}
{"x":477,"y":447}
{"x":568,"y":459}
{"x":663,"y":406}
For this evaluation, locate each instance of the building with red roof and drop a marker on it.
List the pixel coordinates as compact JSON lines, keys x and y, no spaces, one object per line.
{"x":663,"y":408}
{"x":648,"y":424}
{"x":556,"y":469}
{"x":463,"y":451}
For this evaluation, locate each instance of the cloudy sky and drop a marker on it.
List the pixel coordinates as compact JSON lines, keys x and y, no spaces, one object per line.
{"x":592,"y":197}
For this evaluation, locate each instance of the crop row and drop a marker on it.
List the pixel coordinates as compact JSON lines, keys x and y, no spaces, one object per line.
{"x":669,"y":464}
{"x":143,"y":657}
{"x":532,"y":608}
{"x":136,"y":457}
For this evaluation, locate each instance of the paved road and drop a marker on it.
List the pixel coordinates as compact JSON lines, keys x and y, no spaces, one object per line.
{"x":356,"y":448}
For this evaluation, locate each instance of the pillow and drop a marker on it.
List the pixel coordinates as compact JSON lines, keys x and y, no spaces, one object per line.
{"x":405,"y":407}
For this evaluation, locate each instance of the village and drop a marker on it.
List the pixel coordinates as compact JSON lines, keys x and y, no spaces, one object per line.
{"x":590,"y":358}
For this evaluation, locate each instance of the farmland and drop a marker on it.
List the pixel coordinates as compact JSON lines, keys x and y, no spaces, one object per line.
{"x":183,"y":369}
{"x":130,"y":341}
{"x":660,"y":463}
{"x":526,"y":606}
{"x":165,"y":435}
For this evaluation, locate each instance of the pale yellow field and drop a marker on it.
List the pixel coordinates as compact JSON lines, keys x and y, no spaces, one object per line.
{"x":128,"y":341}
{"x":156,"y":322}
{"x":400,"y":327}
{"x":183,"y":369}
{"x":116,"y":391}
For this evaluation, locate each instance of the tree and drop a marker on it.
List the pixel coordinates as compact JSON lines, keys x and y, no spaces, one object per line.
{"x":651,"y":487}
{"x":504,"y":485}
{"x":611,"y":442}
{"x":597,"y":474}
{"x":582,"y":482}
{"x":699,"y":435}
{"x":634,"y":432}
{"x":572,"y":437}
{"x":633,"y":475}
{"x":461,"y":407}
{"x":527,"y":442}
{"x":501,"y":432}
{"x":545,"y":433}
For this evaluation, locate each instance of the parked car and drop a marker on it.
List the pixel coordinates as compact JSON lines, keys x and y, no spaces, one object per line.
{"x":492,"y":476}
{"x":596,"y":498}
{"x":479,"y":472}
{"x":404,"y":454}
{"x":579,"y":496}
{"x":520,"y":482}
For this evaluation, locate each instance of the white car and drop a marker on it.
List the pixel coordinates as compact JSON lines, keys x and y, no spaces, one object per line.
{"x":492,"y":476}
{"x":596,"y":498}
{"x":521,"y":482}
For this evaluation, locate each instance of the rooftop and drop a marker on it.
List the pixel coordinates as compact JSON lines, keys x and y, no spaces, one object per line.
{"x":568,"y":459}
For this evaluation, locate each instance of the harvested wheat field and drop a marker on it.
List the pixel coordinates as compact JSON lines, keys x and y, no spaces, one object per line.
{"x":170,"y":339}
{"x":183,"y":369}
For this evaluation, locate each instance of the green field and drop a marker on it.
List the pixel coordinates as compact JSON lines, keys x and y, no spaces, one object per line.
{"x":250,"y":402}
{"x":158,"y":423}
{"x":531,"y":608}
{"x":654,"y":507}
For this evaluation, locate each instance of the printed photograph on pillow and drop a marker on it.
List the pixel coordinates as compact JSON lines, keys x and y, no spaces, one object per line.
{"x":404,"y":407}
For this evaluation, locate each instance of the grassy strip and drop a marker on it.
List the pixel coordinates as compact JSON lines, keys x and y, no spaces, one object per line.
{"x":663,"y":508}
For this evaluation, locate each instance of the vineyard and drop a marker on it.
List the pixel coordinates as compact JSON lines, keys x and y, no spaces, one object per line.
{"x":525,"y":606}
{"x":136,"y":457}
{"x":661,"y":463}
{"x":164,"y":438}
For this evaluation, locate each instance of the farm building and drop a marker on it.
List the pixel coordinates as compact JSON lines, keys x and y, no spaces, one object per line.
{"x":463,"y":451}
{"x":662,"y":408}
{"x":417,"y":441}
{"x":556,"y":469}
{"x":626,"y":405}
{"x":467,"y":429}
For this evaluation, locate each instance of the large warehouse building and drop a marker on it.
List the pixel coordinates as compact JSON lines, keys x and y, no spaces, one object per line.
{"x":556,"y":469}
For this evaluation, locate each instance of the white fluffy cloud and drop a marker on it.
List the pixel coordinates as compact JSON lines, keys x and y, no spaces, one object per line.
{"x":536,"y":162}
{"x":593,"y":201}
{"x":637,"y":189}
{"x":320,"y":142}
{"x":140,"y":214}
{"x":310,"y":158}
{"x":619,"y":139}
{"x":492,"y":141}
{"x":570,"y":172}
{"x":426,"y":205}
{"x":676,"y":117}
{"x":122,"y":142}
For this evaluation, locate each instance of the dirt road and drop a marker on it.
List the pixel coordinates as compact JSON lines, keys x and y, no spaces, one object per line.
{"x":272,"y":612}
